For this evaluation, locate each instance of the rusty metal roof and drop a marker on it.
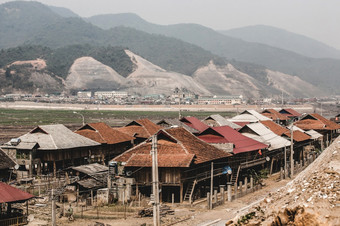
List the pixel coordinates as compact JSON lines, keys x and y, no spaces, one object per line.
{"x":9,"y":194}
{"x":194,"y":123}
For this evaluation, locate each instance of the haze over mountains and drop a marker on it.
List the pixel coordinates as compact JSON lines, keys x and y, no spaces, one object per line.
{"x":211,"y":62}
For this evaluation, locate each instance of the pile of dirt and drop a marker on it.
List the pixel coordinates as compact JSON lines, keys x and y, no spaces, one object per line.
{"x":312,"y":198}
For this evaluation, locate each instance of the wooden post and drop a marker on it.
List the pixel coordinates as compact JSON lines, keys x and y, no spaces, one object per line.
{"x":271,"y":166}
{"x":251,"y":184}
{"x":215,"y":196}
{"x":285,"y":162}
{"x":229,"y":192}
{"x":91,"y":197}
{"x":291,"y":152}
{"x":54,"y":169}
{"x":181,"y":193}
{"x":246,"y":185}
{"x":54,"y":223}
{"x":281,"y":173}
{"x":172,"y":199}
{"x":208,"y":200}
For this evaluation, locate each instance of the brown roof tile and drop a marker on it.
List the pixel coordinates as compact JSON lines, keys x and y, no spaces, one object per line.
{"x":298,"y":136}
{"x":275,"y":115}
{"x":176,"y":147}
{"x":103,"y":133}
{"x":316,"y":122}
{"x":277,"y":129}
{"x":143,"y":128}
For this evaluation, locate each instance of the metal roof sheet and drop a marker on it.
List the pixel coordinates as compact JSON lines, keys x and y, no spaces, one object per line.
{"x":249,"y":116}
{"x":314,"y":135}
{"x":54,"y":137}
{"x":229,"y":135}
{"x":91,"y":168}
{"x":262,"y":134}
{"x":221,"y":121}
{"x":5,"y":162}
{"x":9,"y":194}
{"x":194,"y":123}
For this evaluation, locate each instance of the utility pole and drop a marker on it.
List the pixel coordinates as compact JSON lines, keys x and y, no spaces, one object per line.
{"x":156,"y":214}
{"x":211,"y":184}
{"x":53,"y":208}
{"x":291,"y":151}
{"x":285,"y":163}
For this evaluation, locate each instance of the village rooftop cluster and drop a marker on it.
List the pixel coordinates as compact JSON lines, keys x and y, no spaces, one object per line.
{"x":100,"y":164}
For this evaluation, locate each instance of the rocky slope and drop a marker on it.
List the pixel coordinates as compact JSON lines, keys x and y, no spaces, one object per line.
{"x":312,"y":198}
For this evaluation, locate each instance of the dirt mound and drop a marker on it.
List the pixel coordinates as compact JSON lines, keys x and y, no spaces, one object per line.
{"x":312,"y":198}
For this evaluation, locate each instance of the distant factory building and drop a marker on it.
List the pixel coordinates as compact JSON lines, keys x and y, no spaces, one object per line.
{"x":217,"y":100}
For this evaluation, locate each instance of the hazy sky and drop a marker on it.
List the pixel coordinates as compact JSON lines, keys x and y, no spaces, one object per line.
{"x":318,"y":19}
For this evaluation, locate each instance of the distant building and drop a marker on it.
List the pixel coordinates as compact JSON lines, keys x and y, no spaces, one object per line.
{"x":84,"y":94}
{"x":110,"y":94}
{"x":217,"y":100}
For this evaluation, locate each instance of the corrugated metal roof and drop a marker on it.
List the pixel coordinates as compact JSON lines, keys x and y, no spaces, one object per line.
{"x":314,"y":135}
{"x":176,"y":122}
{"x":226,"y":134}
{"x":249,"y":116}
{"x":103,"y":133}
{"x":55,"y":137}
{"x":91,"y":168}
{"x":194,"y":123}
{"x":9,"y":194}
{"x":5,"y":161}
{"x":262,"y":134}
{"x":221,"y":121}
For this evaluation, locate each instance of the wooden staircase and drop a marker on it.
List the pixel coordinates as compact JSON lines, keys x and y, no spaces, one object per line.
{"x":235,"y":174}
{"x":190,"y":191}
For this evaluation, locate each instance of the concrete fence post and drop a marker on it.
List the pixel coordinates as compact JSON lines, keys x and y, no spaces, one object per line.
{"x":222,"y":195}
{"x":229,"y":192}
{"x":246,"y":185}
{"x":235,"y":189}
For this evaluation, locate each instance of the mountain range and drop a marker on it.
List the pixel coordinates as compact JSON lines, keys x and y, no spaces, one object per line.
{"x":188,"y":50}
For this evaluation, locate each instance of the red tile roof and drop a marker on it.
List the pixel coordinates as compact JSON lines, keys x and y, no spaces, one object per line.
{"x":103,"y":133}
{"x":316,"y":122}
{"x":142,"y":128}
{"x":226,"y":134}
{"x":194,"y":123}
{"x":275,"y":115}
{"x":289,"y":112}
{"x":12,"y":194}
{"x":176,"y":147}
